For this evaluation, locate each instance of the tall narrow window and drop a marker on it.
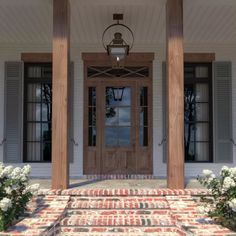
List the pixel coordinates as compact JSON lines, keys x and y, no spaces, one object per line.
{"x":197,"y":115}
{"x":143,"y":133}
{"x":92,"y":131}
{"x":37,"y":112}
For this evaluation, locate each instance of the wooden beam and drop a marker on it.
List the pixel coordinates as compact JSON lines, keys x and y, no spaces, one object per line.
{"x":60,"y":119}
{"x":132,"y":57}
{"x":199,"y":57}
{"x":175,"y":94}
{"x":36,"y":57}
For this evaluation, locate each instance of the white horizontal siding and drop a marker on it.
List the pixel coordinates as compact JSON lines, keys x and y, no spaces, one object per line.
{"x":12,"y":53}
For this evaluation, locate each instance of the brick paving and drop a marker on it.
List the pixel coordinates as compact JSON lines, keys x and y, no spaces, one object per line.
{"x":103,"y":212}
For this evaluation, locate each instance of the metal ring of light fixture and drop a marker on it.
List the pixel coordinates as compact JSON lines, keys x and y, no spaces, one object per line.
{"x":118,"y":24}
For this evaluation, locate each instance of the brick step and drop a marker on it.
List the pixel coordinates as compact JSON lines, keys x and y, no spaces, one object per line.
{"x":118,"y":220}
{"x":125,"y":234}
{"x":129,"y":192}
{"x":112,"y":212}
{"x":122,"y":231}
{"x":118,"y":203}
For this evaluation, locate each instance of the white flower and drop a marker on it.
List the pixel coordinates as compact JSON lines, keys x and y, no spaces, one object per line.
{"x":224,"y":168}
{"x":32,"y":189}
{"x":228,"y":183}
{"x":232,"y":204}
{"x":201,"y":209}
{"x":5,"y":204}
{"x":22,"y":177}
{"x":207,"y":173}
{"x":7,"y":171}
{"x":233,"y":172}
{"x":213,"y":176}
{"x":1,"y":169}
{"x":8,"y":190}
{"x":16,"y":173}
{"x":26,"y":169}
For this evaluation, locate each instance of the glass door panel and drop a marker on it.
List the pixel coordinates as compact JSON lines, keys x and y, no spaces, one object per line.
{"x":118,"y":117}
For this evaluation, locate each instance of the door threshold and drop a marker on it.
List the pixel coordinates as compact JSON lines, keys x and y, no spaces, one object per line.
{"x":119,"y":176}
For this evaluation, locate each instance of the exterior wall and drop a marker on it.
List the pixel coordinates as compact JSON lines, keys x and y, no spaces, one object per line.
{"x":13,"y":53}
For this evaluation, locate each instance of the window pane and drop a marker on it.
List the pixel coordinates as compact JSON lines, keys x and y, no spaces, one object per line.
{"x":124,"y":136}
{"x":189,"y":132}
{"x":33,"y":132}
{"x":35,"y":72}
{"x":111,"y":136}
{"x":92,"y":136}
{"x":124,"y":116}
{"x":202,"y":132}
{"x":125,"y":72}
{"x":118,"y":96}
{"x":143,"y":136}
{"x":143,"y":116}
{"x":34,"y":92}
{"x":202,"y":152}
{"x":92,"y":116}
{"x":202,"y":112}
{"x":47,"y":151}
{"x":201,"y":72}
{"x":189,"y":151}
{"x":202,"y":93}
{"x":143,"y":96}
{"x":47,"y":72}
{"x":47,"y":93}
{"x":188,"y":72}
{"x":46,"y":112}
{"x":46,"y":132}
{"x":34,"y":112}
{"x":189,"y":103}
{"x":111,"y":116}
{"x":33,"y":151}
{"x":92,"y":96}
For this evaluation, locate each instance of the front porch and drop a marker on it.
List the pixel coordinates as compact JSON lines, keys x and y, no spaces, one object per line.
{"x":119,"y":183}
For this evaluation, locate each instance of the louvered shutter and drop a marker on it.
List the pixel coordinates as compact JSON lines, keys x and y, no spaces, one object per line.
{"x":164,"y":110}
{"x":13,"y":112}
{"x":223,"y":112}
{"x":71,"y":113}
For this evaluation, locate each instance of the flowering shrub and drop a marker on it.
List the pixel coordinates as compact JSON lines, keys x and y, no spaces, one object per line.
{"x":15,"y":193}
{"x":221,"y":205}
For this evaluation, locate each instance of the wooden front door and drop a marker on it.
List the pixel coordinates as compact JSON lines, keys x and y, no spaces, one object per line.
{"x":118,"y":122}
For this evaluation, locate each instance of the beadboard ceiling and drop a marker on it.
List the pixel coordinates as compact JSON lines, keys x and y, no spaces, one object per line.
{"x":30,"y":21}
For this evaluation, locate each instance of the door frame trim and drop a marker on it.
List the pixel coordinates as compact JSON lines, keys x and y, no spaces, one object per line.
{"x":102,"y":59}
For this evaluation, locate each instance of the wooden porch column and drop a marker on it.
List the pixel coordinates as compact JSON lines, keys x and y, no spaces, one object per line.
{"x":61,"y":59}
{"x":175,"y":94}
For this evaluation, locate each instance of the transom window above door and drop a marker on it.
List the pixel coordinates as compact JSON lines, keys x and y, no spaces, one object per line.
{"x":37,"y":112}
{"x":125,"y":72}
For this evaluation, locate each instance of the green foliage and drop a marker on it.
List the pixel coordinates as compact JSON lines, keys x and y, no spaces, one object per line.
{"x":221,"y":204}
{"x":15,"y":193}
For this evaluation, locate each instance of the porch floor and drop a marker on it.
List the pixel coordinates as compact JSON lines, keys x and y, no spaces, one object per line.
{"x":118,"y":183}
{"x":117,"y":212}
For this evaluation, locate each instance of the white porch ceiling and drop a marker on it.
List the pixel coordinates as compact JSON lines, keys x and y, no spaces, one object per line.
{"x":30,"y":21}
